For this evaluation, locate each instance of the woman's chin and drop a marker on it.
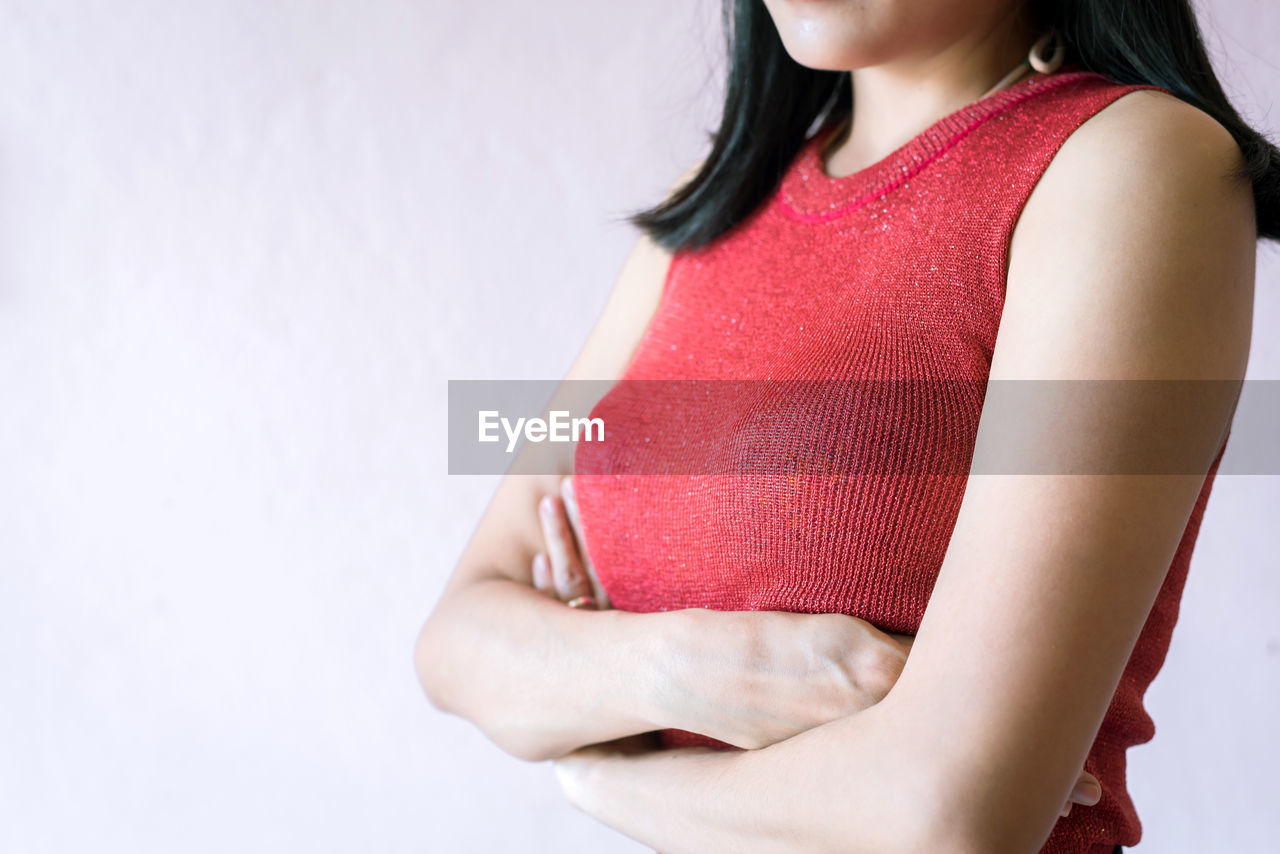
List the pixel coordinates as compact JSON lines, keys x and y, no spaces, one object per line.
{"x":822,"y":59}
{"x":824,"y":51}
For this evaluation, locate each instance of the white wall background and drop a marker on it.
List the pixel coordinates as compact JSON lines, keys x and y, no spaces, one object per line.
{"x":243,"y":245}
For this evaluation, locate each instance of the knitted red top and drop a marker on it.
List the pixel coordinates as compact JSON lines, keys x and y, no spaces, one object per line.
{"x":895,"y":272}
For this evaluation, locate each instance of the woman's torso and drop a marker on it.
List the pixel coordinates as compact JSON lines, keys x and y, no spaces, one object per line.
{"x":794,"y":430}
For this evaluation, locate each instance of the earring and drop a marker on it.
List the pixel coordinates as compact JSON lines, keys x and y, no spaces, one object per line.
{"x":1036,"y":55}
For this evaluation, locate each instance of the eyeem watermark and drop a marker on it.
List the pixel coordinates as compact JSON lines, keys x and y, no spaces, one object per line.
{"x":558,"y":427}
{"x":845,"y":428}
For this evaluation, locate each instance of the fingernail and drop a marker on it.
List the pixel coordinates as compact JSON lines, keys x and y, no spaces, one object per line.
{"x":566,"y":487}
{"x":1088,"y":793}
{"x":546,"y":505}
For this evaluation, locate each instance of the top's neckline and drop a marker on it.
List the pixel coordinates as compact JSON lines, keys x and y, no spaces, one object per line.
{"x":810,"y":194}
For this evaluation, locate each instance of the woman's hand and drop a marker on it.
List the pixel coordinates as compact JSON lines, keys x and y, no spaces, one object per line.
{"x":790,"y":672}
{"x":782,"y":673}
{"x":753,"y":678}
{"x":564,"y":571}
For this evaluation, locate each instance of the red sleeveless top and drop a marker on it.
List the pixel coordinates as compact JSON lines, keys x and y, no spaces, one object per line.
{"x":893,"y":273}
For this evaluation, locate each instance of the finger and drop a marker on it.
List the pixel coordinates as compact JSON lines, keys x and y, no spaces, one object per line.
{"x":1066,"y":810}
{"x":569,"y":578}
{"x":542,"y":574}
{"x":575,"y":525}
{"x":553,"y":540}
{"x":1087,"y":791}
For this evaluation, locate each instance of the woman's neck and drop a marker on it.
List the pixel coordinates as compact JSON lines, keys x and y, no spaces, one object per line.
{"x":897,"y":100}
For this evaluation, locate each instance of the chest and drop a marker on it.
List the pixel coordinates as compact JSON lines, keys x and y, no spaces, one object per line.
{"x":793,"y":432}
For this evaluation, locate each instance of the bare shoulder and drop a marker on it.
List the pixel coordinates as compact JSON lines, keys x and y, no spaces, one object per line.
{"x":1156,"y":128}
{"x":1148,"y":154}
{"x":1136,"y":248}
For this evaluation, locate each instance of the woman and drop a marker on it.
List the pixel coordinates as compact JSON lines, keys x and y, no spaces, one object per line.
{"x":1067,"y":174}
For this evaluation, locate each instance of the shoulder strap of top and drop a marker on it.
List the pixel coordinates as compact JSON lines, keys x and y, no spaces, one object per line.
{"x":1017,"y":147}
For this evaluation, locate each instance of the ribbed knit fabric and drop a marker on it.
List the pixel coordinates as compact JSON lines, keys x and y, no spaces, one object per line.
{"x":895,"y":272}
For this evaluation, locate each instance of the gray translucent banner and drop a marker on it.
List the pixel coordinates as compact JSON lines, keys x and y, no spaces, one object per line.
{"x":862,"y":427}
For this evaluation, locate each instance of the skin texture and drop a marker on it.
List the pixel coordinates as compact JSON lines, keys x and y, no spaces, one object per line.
{"x":562,"y":572}
{"x":541,"y":680}
{"x":1048,"y":578}
{"x":503,"y":656}
{"x":843,"y":665}
{"x":909,"y":62}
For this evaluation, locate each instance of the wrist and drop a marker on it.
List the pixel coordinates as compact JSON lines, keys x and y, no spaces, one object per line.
{"x":645,"y":671}
{"x":700,"y":661}
{"x":670,"y":645}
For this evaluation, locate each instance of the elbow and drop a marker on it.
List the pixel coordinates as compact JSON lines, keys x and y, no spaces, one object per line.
{"x":425,"y":661}
{"x":430,"y":663}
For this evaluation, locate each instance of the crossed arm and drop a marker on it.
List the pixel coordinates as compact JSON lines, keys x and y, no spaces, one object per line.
{"x":1045,"y":587}
{"x":1133,"y":260}
{"x":541,"y":680}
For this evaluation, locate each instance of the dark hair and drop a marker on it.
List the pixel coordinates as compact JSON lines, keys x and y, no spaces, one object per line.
{"x":773,"y":102}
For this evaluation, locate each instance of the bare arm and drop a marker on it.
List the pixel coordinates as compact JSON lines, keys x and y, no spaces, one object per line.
{"x":1048,"y":578}
{"x":536,"y":677}
{"x":541,"y":679}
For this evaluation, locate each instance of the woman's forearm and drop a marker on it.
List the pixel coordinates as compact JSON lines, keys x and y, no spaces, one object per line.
{"x":538,"y":678}
{"x":848,"y":786}
{"x":541,"y":679}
